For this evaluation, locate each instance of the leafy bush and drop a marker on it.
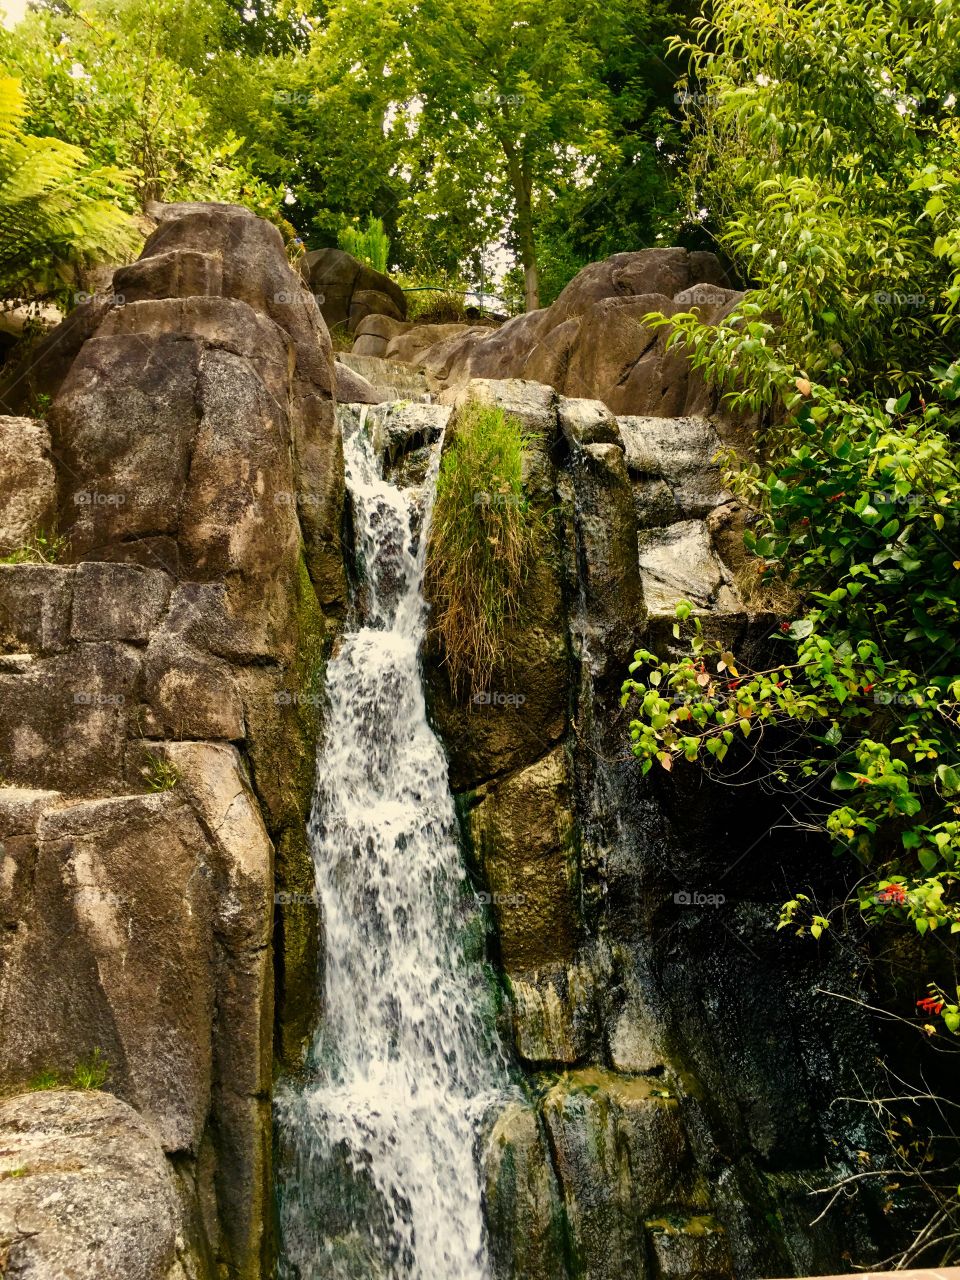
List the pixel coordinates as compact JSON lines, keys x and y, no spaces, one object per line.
{"x":819,"y":132}
{"x":370,"y":245}
{"x":482,"y":538}
{"x":828,"y":150}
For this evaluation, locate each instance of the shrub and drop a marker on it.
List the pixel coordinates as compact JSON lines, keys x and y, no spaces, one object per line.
{"x":371,"y":245}
{"x":839,"y":207}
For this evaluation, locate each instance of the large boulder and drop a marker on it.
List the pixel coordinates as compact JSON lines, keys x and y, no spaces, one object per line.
{"x":85,"y":1192}
{"x":348,"y":291}
{"x":592,"y":342}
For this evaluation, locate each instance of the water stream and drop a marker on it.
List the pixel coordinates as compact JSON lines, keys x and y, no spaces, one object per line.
{"x":379,"y":1145}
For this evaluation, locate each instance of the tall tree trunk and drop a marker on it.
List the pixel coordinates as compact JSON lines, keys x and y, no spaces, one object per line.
{"x":522,"y":188}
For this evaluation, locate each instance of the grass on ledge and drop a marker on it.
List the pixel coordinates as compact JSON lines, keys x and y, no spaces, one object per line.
{"x":482,"y":540}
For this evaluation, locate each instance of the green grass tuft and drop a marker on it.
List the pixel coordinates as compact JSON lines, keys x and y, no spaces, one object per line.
{"x":482,"y":540}
{"x":160,"y":774}
{"x":45,"y":548}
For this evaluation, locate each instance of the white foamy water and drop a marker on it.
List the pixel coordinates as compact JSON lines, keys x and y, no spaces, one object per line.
{"x":379,"y":1149}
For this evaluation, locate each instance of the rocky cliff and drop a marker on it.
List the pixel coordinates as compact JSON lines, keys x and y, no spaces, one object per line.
{"x":592,"y":342}
{"x":683,"y":1061}
{"x":159,"y":696}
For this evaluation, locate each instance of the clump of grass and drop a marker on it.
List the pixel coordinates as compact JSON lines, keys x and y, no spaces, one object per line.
{"x":45,"y":548}
{"x":482,"y":539}
{"x":89,"y":1073}
{"x":160,"y":774}
{"x":341,"y":338}
{"x":45,"y":1080}
{"x":443,"y":305}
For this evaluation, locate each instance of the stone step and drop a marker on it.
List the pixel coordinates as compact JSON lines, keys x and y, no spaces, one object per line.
{"x":399,"y":381}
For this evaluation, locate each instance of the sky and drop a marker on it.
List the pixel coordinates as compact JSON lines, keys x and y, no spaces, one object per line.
{"x":12,"y":11}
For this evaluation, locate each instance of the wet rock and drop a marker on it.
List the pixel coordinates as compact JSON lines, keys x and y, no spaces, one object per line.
{"x":522,"y":830}
{"x":353,"y":388}
{"x":85,"y":1191}
{"x":524,"y":1214}
{"x":635,"y":1023}
{"x":682,"y":452}
{"x":586,"y":422}
{"x":399,"y":428}
{"x":686,"y":1247}
{"x":605,"y":521}
{"x":618,"y":1146}
{"x":555,"y":1012}
{"x":679,"y":563}
{"x":28,"y":493}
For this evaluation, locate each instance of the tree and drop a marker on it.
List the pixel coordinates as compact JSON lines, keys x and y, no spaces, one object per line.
{"x":497,"y":102}
{"x":57,"y":209}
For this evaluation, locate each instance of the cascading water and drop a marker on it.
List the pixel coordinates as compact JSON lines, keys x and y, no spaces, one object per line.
{"x":379,"y":1147}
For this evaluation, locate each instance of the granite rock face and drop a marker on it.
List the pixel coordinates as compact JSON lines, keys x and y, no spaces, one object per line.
{"x":86,"y":1192}
{"x":676,"y":1052}
{"x":159,"y":712}
{"x":591,"y":343}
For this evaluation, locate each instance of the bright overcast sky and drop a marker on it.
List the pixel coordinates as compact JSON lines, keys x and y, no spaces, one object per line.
{"x":12,"y":10}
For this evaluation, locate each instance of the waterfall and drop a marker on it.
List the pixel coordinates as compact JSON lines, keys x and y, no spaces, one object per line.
{"x":379,"y":1143}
